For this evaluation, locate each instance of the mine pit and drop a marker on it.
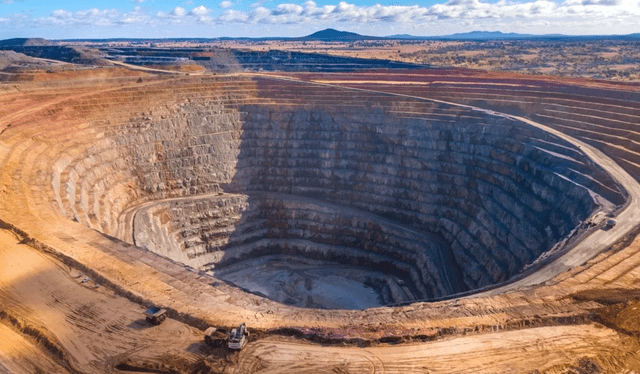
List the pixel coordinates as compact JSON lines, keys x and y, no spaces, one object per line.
{"x":320,"y":209}
{"x":321,"y":197}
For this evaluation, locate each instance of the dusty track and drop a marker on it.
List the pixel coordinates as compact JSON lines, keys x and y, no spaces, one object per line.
{"x":547,"y":349}
{"x":92,"y":329}
{"x":152,"y":70}
{"x":6,"y":120}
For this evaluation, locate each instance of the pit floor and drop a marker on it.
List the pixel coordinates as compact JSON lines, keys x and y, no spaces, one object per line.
{"x":310,"y":284}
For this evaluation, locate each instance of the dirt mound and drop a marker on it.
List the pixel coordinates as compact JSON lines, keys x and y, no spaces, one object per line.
{"x":8,"y":58}
{"x":24,"y":42}
{"x":222,"y":60}
{"x":87,"y":56}
{"x":74,"y":55}
{"x":185,"y":68}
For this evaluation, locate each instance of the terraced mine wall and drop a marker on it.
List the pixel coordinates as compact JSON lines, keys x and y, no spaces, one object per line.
{"x":602,"y":114}
{"x":603,"y":117}
{"x":408,"y":199}
{"x":223,"y":60}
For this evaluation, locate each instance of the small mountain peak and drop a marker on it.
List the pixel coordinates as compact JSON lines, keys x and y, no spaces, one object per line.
{"x":333,"y":34}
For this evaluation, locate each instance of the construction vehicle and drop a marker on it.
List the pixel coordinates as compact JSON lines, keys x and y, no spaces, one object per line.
{"x":155,"y":315}
{"x":238,"y":337}
{"x":215,"y":337}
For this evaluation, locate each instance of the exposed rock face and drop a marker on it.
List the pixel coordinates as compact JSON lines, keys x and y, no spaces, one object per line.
{"x":416,"y":201}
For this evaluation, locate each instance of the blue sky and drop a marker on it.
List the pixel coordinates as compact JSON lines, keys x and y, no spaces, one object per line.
{"x":255,"y":18}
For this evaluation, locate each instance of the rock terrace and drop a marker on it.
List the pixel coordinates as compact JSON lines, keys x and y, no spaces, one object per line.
{"x":310,"y":195}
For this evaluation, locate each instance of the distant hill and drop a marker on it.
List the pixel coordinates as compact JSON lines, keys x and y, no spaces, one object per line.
{"x":333,"y":34}
{"x":404,"y":36}
{"x":493,"y":35}
{"x":629,"y":36}
{"x":479,"y":35}
{"x":488,"y":35}
{"x":25,"y":42}
{"x":497,"y":35}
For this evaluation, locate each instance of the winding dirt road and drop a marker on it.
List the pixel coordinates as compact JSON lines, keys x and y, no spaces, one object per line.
{"x":545,"y":347}
{"x":82,"y":326}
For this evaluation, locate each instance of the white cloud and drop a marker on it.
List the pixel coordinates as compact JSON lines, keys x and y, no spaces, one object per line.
{"x":231,"y":16}
{"x":592,"y":2}
{"x":61,"y":13}
{"x":200,"y":11}
{"x":94,"y":16}
{"x":178,"y":11}
{"x":136,"y":16}
{"x":537,"y":16}
{"x":201,"y":14}
{"x":138,"y":1}
{"x":459,"y":10}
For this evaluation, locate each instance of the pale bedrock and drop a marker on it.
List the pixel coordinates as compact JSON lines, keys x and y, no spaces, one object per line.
{"x":423,"y":207}
{"x":499,"y":192}
{"x":184,"y":150}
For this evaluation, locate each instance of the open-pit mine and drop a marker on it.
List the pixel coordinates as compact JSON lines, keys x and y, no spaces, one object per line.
{"x":387,"y":221}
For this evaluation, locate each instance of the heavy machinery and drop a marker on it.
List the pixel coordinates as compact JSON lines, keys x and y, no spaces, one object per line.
{"x":215,"y":337}
{"x":238,"y":337}
{"x":155,"y":315}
